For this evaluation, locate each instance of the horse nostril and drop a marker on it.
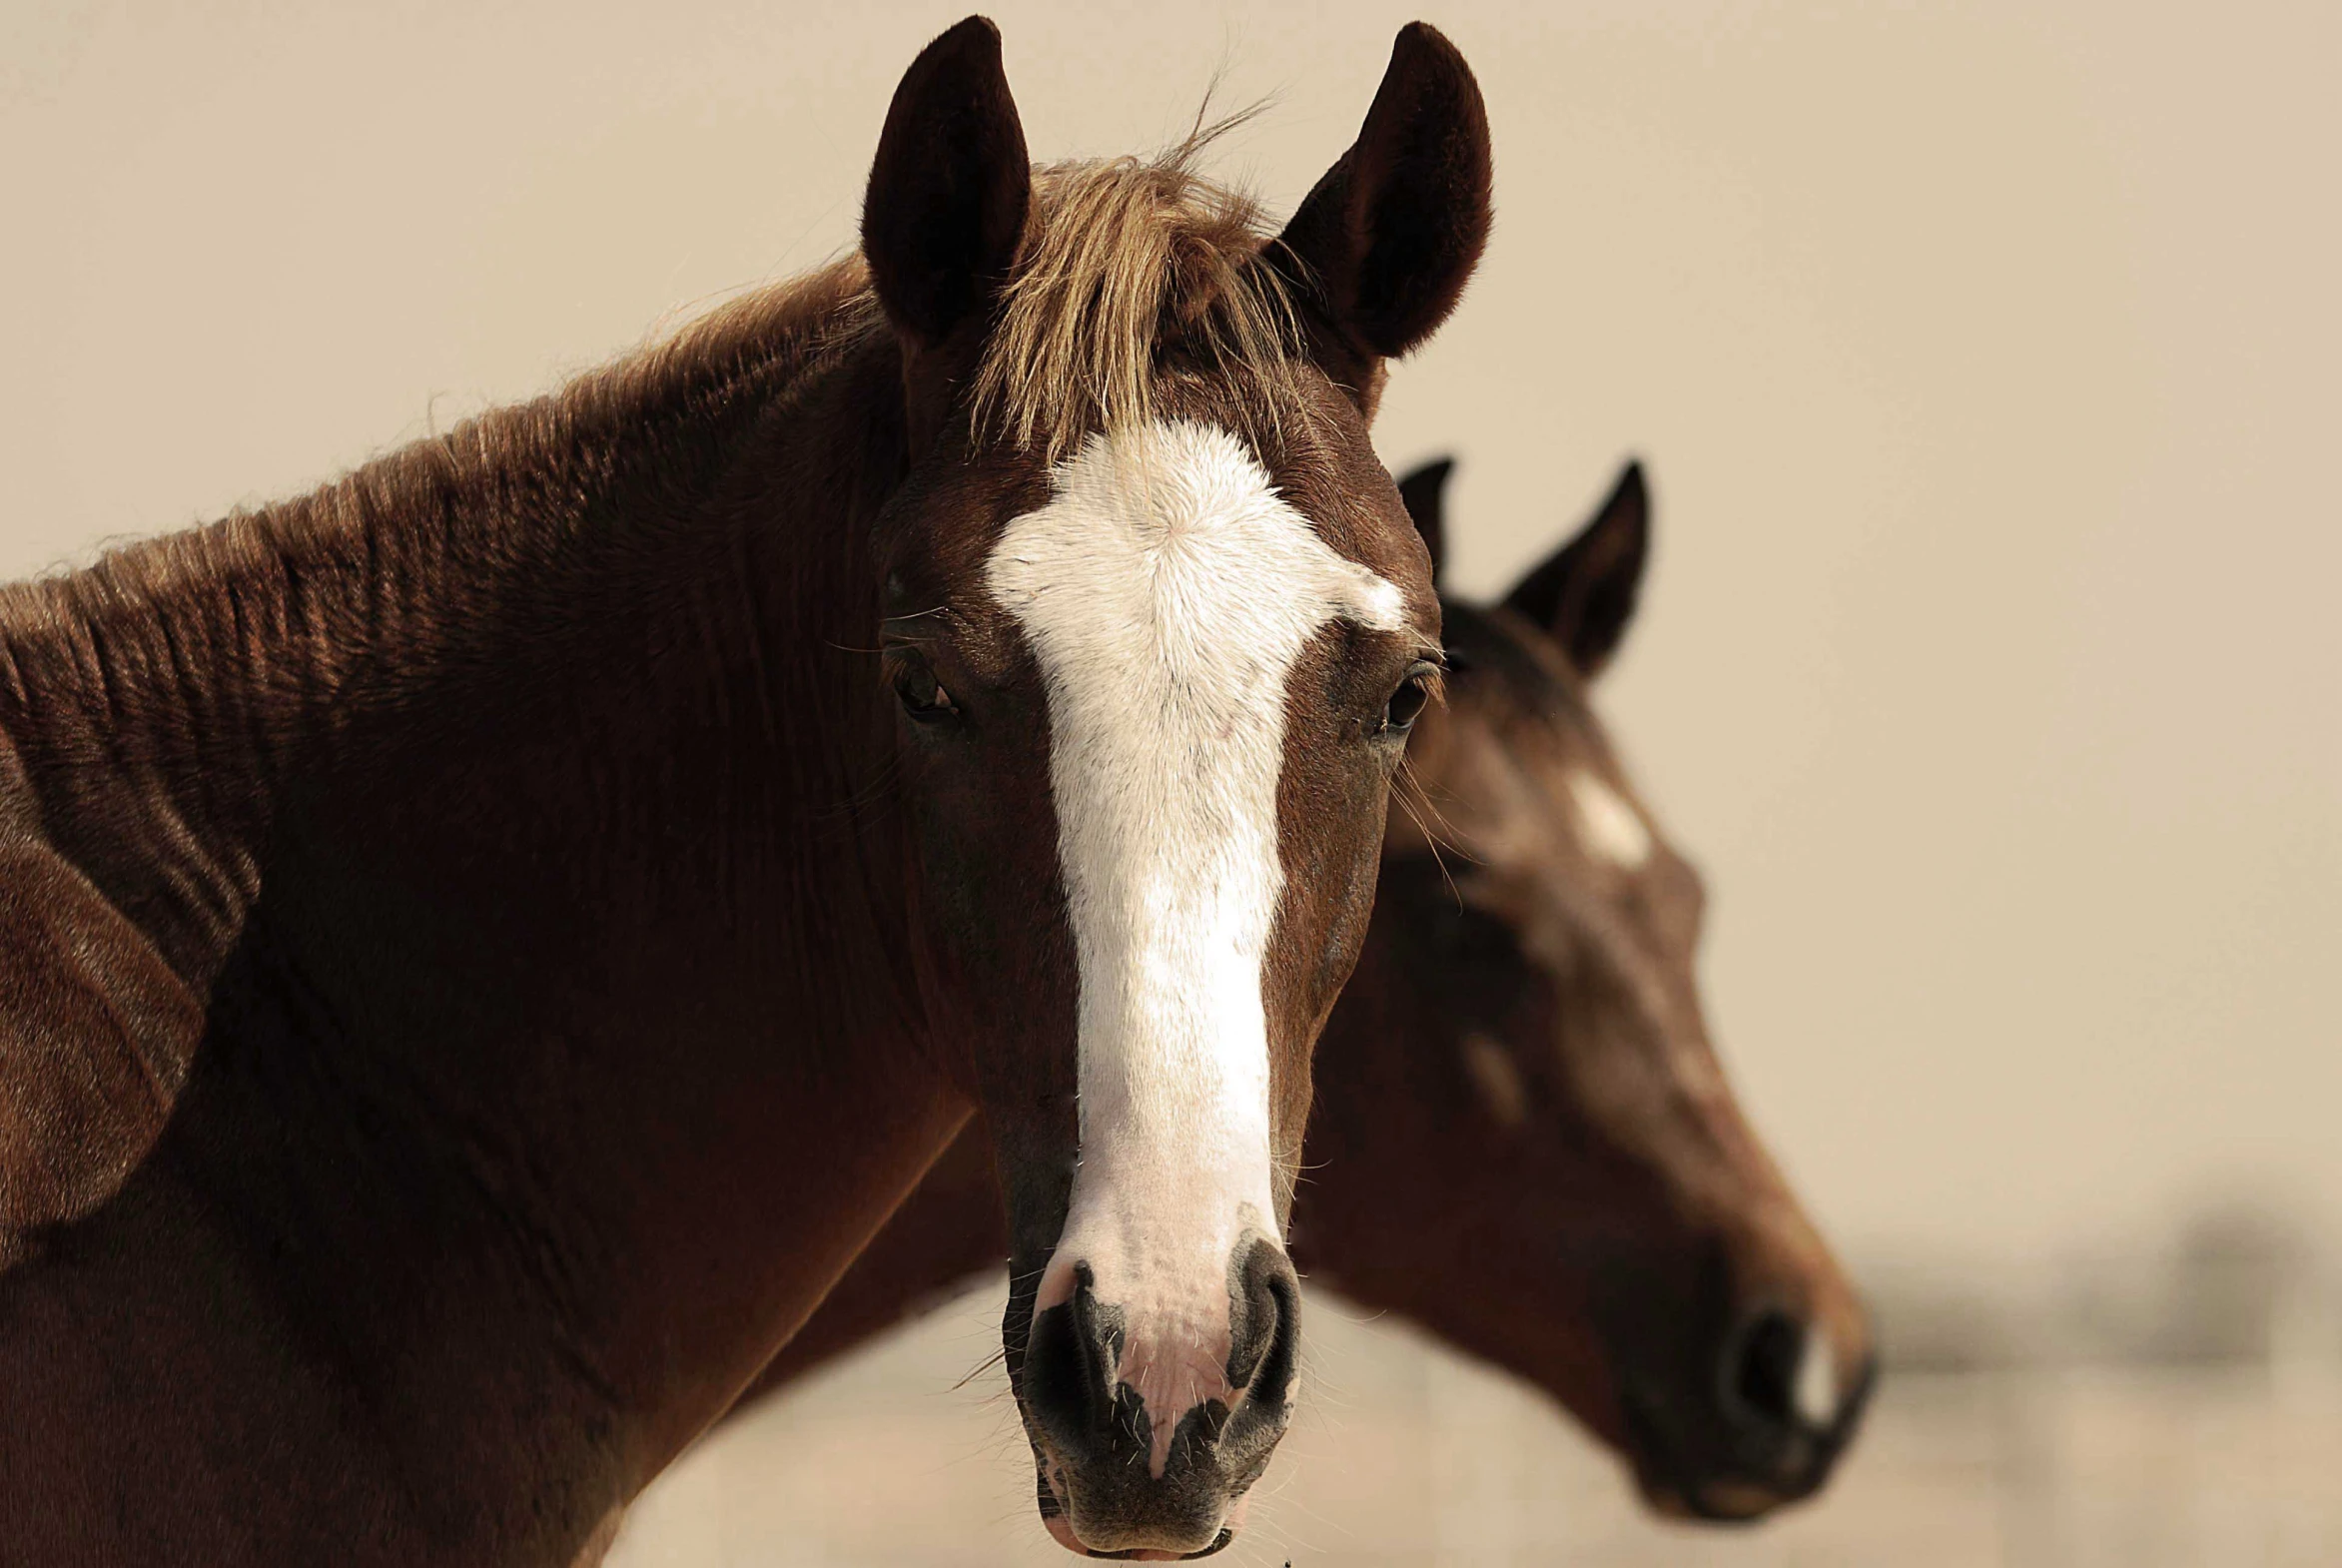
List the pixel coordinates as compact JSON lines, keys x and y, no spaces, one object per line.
{"x":1068,"y":1363}
{"x":1265,"y":1344}
{"x":1768,"y":1377}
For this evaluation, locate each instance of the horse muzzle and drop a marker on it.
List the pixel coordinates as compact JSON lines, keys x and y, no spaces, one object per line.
{"x":1150,"y":1424}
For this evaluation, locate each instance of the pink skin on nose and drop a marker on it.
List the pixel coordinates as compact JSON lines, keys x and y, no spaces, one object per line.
{"x":1172,"y":1373}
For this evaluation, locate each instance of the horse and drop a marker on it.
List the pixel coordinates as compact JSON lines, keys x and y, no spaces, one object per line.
{"x":1517,"y":1089}
{"x":488,"y":942}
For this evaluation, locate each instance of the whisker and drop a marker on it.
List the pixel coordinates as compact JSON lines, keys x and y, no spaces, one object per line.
{"x":872,"y":793}
{"x":1410,"y":785}
{"x":1446,"y":831}
{"x":997,"y":1359}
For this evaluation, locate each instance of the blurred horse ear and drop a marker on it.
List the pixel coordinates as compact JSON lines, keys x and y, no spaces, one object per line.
{"x":944,"y":217}
{"x":1584,"y":593}
{"x":1384,"y":244}
{"x":1424,"y":491}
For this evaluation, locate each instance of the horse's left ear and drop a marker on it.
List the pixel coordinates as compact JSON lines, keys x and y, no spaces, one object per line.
{"x":1424,"y":491}
{"x":1585,"y":593}
{"x":944,"y":214}
{"x":1386,"y":242}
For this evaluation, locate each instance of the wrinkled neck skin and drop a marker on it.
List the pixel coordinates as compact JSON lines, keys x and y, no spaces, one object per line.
{"x":540,"y":1095}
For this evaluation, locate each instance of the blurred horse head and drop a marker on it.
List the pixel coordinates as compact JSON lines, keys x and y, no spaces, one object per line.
{"x":1526,"y":1022}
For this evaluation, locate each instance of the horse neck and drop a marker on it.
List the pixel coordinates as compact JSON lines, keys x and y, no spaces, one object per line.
{"x":511,"y":803}
{"x":159,"y":710}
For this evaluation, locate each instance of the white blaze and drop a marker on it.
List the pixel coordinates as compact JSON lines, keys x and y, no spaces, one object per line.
{"x":1166,"y":592}
{"x":1614,"y":832}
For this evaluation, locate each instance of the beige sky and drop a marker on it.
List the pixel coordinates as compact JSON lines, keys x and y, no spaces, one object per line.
{"x":1987,"y":359}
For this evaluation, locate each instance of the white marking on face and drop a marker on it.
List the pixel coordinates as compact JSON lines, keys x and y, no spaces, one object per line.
{"x":1166,"y":592}
{"x":1816,"y":1391}
{"x":1614,"y":831}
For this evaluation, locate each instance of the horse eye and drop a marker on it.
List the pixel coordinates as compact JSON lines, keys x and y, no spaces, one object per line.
{"x":922,"y":695}
{"x":1406,"y":704}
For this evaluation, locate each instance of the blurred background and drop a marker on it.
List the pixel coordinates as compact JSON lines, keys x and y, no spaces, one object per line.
{"x":1988,"y":361}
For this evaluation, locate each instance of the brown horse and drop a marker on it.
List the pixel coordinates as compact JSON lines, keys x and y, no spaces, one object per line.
{"x":1516,"y":1091}
{"x":488,"y":942}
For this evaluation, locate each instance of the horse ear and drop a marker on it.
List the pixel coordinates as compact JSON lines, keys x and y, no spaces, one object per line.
{"x":101,"y":1035}
{"x":948,"y":190}
{"x":1424,"y":491}
{"x":1385,"y":242}
{"x":1584,"y":593}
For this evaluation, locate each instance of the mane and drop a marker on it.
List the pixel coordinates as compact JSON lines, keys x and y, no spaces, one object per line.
{"x":473,"y":478}
{"x":1134,"y":269}
{"x":1127,"y":259}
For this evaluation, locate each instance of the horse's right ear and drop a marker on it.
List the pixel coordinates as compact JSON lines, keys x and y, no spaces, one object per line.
{"x":948,"y":190}
{"x":1584,"y":593}
{"x":1385,"y":242}
{"x":1424,"y":491}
